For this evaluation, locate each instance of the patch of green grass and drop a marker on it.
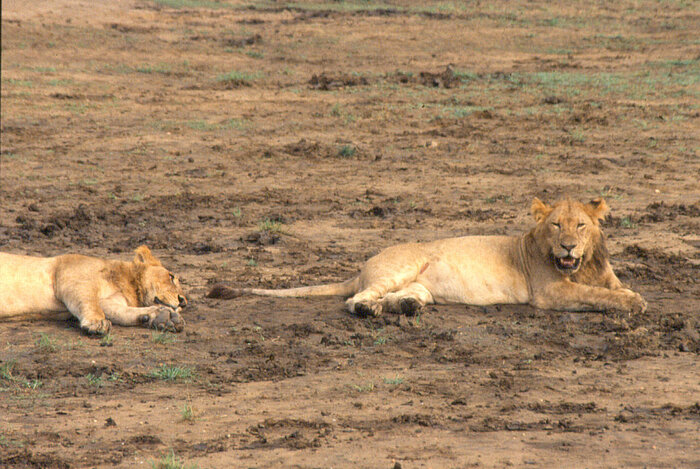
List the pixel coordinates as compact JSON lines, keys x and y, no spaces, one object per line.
{"x":238,"y":78}
{"x":6,"y":442}
{"x":44,"y":69}
{"x":236,"y":212}
{"x":368,"y":387}
{"x":214,"y":5}
{"x":627,"y":223}
{"x":271,"y":226}
{"x":238,"y":124}
{"x":394,"y":381}
{"x":338,"y":111}
{"x":495,"y":198}
{"x":45,"y":343}
{"x":252,"y":263}
{"x":170,"y":461}
{"x":254,"y":54}
{"x":347,"y":151}
{"x":14,"y":82}
{"x":34,"y":384}
{"x":201,"y":125}
{"x":94,"y":381}
{"x":459,"y":112}
{"x":163,"y":69}
{"x":79,"y":108}
{"x":187,"y":413}
{"x":577,"y":136}
{"x":465,"y":75}
{"x":380,"y":340}
{"x":173,"y":373}
{"x":163,"y":338}
{"x":121,"y":69}
{"x":107,"y":340}
{"x":6,"y":370}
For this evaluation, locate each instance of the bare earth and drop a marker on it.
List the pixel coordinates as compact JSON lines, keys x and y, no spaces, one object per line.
{"x":275,"y":144}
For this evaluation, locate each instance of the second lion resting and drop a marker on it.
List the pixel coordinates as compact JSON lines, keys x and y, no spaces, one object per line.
{"x":98,"y":292}
{"x":561,"y":264}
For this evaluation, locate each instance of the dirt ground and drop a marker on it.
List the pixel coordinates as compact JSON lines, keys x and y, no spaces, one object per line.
{"x":277,"y":144}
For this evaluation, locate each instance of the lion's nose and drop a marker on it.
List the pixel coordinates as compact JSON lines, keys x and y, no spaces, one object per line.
{"x":568,"y":247}
{"x":183,"y":301}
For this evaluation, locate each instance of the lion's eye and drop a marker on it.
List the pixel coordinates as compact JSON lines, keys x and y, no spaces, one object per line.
{"x":172,"y":278}
{"x":581,"y":225}
{"x":556,"y":225}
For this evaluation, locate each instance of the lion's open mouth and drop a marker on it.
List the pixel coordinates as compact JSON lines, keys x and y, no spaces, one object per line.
{"x":567,"y":263}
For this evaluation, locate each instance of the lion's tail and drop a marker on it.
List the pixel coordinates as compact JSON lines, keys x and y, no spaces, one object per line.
{"x":347,"y":288}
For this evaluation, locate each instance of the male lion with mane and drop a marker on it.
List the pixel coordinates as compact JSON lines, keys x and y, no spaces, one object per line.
{"x":98,"y":292}
{"x":561,"y":264}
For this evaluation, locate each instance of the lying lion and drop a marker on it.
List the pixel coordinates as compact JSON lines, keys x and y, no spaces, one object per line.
{"x":561,"y":264}
{"x":98,"y":292}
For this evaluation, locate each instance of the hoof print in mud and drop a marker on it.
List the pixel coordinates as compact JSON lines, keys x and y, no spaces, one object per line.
{"x":165,"y":319}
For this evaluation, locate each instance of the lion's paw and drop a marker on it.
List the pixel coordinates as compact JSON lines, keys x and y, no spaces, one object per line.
{"x":631,"y":302}
{"x":96,"y":326}
{"x":368,"y":309}
{"x":164,"y":319}
{"x":637,"y":304}
{"x":410,"y":306}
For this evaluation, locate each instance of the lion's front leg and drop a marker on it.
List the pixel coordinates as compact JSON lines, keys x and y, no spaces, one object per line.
{"x":570,"y":296}
{"x":88,"y":311}
{"x":157,"y":317}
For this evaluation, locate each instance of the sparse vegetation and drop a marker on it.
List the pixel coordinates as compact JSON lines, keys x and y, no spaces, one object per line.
{"x":170,"y":461}
{"x":94,"y":380}
{"x":347,"y":151}
{"x":107,"y":340}
{"x":187,"y":413}
{"x":34,"y":384}
{"x":367,"y":387}
{"x":173,"y":373}
{"x":395,"y":381}
{"x":271,"y":226}
{"x":6,"y":370}
{"x":45,"y":343}
{"x":163,"y":338}
{"x":237,"y":78}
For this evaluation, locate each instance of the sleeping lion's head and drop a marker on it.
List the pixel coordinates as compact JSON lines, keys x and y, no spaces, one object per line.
{"x":157,"y":285}
{"x":569,"y":231}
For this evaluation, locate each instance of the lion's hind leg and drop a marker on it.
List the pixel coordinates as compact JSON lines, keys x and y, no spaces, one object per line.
{"x":407,"y":301}
{"x":382,"y":280}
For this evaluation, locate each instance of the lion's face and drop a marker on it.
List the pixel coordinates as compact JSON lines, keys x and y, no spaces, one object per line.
{"x":568,"y":230}
{"x":159,"y":286}
{"x":162,"y":287}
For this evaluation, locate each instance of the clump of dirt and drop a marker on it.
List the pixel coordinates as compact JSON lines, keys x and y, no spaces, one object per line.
{"x":326,"y":82}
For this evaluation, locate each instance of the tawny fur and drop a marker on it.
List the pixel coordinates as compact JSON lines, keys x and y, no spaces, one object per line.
{"x":98,"y":292}
{"x":561,"y":264}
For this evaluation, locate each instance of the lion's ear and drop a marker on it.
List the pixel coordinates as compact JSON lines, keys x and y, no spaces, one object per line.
{"x":144,"y":256}
{"x":597,"y":209}
{"x":540,"y":210}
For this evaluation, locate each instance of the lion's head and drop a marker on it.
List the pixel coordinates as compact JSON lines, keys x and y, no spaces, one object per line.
{"x":156,"y":284}
{"x":569,"y":232}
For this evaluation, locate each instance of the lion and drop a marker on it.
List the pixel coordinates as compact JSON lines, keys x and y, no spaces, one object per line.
{"x":560,"y":264}
{"x":98,"y":292}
